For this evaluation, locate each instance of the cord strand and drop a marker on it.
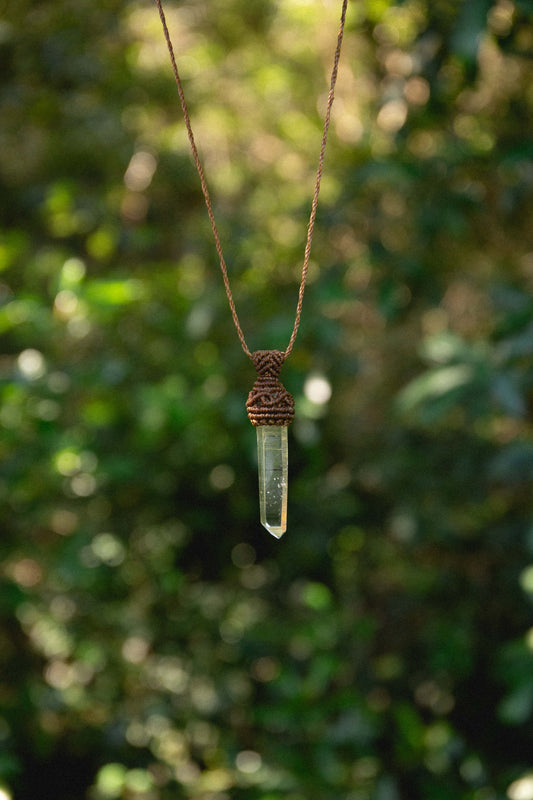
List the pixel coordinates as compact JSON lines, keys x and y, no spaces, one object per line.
{"x":314,"y":205}
{"x":203,"y":181}
{"x":207,"y":197}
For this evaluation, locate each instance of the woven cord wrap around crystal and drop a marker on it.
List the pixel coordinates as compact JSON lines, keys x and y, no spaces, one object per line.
{"x":269,"y":403}
{"x":207,"y":198}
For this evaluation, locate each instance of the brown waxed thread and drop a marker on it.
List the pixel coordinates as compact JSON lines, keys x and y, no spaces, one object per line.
{"x":269,"y":403}
{"x":207,"y":198}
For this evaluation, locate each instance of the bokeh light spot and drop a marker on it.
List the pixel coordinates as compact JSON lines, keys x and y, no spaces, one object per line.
{"x":222,"y":477}
{"x":27,"y":572}
{"x":248,"y":761}
{"x":59,"y":675}
{"x":135,"y":649}
{"x":83,"y":485}
{"x":63,"y":522}
{"x":522,"y":789}
{"x":67,"y":462}
{"x":140,"y":171}
{"x":526,"y":579}
{"x":65,"y":303}
{"x":110,"y":780}
{"x":392,"y":116}
{"x":266,"y":669}
{"x":138,"y":781}
{"x":243,"y":555}
{"x":73,"y":271}
{"x":316,"y":596}
{"x":31,"y":363}
{"x":108,"y":549}
{"x":317,"y":389}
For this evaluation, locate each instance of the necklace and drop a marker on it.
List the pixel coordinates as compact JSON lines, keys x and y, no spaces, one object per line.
{"x":269,"y":405}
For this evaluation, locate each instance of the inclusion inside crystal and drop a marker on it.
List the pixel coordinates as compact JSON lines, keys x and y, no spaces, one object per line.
{"x":273,"y":460}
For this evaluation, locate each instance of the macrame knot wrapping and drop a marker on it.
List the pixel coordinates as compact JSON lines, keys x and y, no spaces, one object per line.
{"x":269,"y":403}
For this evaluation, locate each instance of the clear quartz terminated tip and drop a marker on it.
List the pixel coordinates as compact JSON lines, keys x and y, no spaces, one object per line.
{"x":273,"y":461}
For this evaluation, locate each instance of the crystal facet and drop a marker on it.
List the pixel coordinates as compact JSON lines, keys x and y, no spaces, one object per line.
{"x":273,"y":460}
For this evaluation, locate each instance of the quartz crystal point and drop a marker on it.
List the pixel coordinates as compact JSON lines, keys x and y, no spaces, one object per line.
{"x":273,"y":461}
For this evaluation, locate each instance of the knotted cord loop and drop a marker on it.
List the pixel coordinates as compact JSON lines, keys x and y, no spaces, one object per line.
{"x":268,"y":363}
{"x":269,"y":403}
{"x":207,"y":198}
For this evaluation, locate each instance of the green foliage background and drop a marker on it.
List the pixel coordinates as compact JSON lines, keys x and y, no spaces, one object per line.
{"x":155,"y":642}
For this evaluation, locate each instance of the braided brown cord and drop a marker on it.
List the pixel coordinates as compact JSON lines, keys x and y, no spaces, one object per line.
{"x":207,"y":198}
{"x":311,"y":225}
{"x":203,"y":182}
{"x":269,"y":403}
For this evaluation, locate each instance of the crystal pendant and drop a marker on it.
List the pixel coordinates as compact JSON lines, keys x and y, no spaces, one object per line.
{"x":273,"y":461}
{"x":270,"y":408}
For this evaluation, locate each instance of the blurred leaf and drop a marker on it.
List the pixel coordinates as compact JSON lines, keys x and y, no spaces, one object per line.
{"x":114,"y":292}
{"x":435,"y":392}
